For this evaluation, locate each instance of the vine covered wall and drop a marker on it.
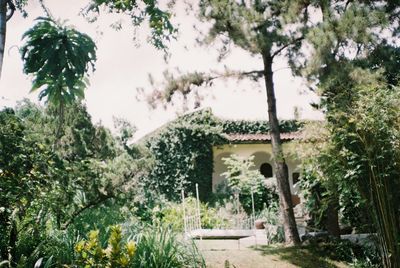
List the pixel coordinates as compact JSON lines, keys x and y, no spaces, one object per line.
{"x":182,"y":150}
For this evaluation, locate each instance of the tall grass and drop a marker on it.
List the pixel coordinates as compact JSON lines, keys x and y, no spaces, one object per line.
{"x":161,"y":248}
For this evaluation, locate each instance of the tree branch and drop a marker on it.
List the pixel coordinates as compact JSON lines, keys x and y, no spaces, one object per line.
{"x":279,"y":50}
{"x":184,"y":85}
{"x":347,"y":4}
{"x":91,"y":204}
{"x":46,"y":10}
{"x":102,"y":198}
{"x":255,"y":74}
{"x":11,"y":6}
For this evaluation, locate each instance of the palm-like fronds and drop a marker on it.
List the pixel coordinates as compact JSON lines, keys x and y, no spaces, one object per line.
{"x":59,"y":57}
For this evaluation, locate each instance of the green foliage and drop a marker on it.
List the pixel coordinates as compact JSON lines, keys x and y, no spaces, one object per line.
{"x":172,"y":215}
{"x":162,"y":248}
{"x":357,"y":27}
{"x":244,"y":180}
{"x":359,"y":107}
{"x":239,"y":175}
{"x":327,"y":254}
{"x":158,"y":19}
{"x":386,"y":58}
{"x":55,"y":194}
{"x":270,"y":214}
{"x":345,"y":250}
{"x":321,"y":182}
{"x":100,"y":218}
{"x":255,"y":26}
{"x":51,"y":246}
{"x":183,"y":156}
{"x":181,"y":85}
{"x":256,"y":127}
{"x":151,"y":247}
{"x":272,"y":222}
{"x":59,"y":57}
{"x":368,"y":145}
{"x":359,"y":160}
{"x":26,"y":172}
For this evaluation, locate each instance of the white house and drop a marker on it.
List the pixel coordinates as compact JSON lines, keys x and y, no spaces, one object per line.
{"x":259,"y":146}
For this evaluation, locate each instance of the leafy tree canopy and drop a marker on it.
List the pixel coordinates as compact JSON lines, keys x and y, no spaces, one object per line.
{"x":158,"y":19}
{"x":49,"y":186}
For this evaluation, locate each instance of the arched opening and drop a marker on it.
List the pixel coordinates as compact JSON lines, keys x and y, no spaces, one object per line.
{"x":266,"y":170}
{"x":260,"y":158}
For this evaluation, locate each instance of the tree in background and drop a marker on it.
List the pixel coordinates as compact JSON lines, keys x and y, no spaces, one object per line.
{"x":351,"y":60}
{"x":59,"y":57}
{"x":7,"y":9}
{"x":26,"y":169}
{"x":51,"y":190}
{"x":359,"y":159}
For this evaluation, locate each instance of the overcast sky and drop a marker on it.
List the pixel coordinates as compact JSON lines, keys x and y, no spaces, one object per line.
{"x":122,"y":67}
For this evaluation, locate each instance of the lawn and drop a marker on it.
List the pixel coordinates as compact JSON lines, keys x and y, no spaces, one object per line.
{"x":226,"y":253}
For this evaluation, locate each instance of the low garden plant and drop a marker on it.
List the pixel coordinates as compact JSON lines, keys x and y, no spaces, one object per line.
{"x":172,"y":215}
{"x":90,"y":253}
{"x":162,"y":248}
{"x":153,"y":247}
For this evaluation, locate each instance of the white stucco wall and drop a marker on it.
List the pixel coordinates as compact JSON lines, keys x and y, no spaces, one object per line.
{"x":262,"y":152}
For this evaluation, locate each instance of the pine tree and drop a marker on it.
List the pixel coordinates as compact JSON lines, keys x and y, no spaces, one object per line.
{"x":260,"y":28}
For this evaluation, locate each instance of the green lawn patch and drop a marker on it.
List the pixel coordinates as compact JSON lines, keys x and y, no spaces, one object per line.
{"x":301,"y":256}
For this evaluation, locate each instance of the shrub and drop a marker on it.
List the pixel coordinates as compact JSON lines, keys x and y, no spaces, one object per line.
{"x":241,"y":178}
{"x":154,"y":247}
{"x":357,"y":255}
{"x":273,"y":228}
{"x":172,"y":215}
{"x":117,"y":254}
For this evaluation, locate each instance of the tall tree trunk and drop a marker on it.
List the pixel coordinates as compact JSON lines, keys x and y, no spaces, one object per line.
{"x":332,"y":217}
{"x":3,"y":23}
{"x":281,"y":171}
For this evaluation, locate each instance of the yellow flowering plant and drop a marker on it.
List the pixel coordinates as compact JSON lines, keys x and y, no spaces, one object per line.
{"x":117,"y":254}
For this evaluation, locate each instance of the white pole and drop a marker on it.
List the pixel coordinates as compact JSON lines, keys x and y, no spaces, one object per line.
{"x":252,"y":204}
{"x":184,"y":210}
{"x":198,"y":205}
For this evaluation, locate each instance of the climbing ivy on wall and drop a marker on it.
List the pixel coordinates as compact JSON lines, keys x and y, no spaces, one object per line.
{"x":256,"y":127}
{"x":183,"y":155}
{"x":182,"y":151}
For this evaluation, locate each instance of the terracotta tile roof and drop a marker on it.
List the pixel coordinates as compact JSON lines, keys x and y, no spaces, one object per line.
{"x":286,"y":136}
